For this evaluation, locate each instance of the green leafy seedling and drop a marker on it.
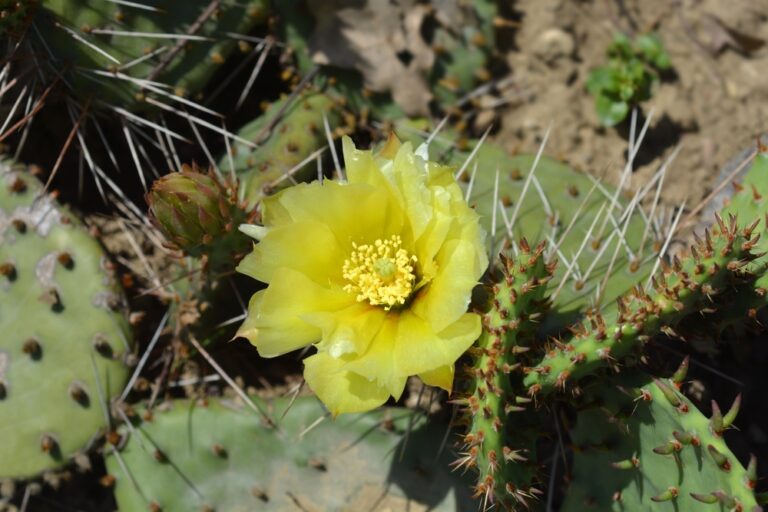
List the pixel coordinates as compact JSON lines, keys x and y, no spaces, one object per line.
{"x":628,"y":78}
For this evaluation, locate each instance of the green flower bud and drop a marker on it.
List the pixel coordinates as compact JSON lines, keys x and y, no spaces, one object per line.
{"x":192,"y":209}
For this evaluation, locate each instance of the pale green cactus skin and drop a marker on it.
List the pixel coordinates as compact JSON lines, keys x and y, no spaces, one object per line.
{"x":64,"y":338}
{"x":218,"y":456}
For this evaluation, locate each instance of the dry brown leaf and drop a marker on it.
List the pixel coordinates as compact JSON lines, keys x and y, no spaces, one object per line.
{"x":381,"y":40}
{"x":720,"y":36}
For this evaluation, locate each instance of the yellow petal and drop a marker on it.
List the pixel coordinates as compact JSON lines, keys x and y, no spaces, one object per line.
{"x":347,"y":331}
{"x":307,"y":247}
{"x":434,"y":235}
{"x":439,"y":377}
{"x":248,"y":328}
{"x":273,"y":213}
{"x":379,"y":362}
{"x":274,"y":324}
{"x":354,"y":212}
{"x":390,"y":148}
{"x":420,"y":349}
{"x":446,"y":298}
{"x":341,"y":391}
{"x":361,"y":166}
{"x":411,"y":179}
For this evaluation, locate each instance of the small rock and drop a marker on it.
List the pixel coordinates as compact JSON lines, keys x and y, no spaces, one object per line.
{"x":553,"y":44}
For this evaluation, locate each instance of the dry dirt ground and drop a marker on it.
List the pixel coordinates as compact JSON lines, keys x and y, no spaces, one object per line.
{"x":714,"y":105}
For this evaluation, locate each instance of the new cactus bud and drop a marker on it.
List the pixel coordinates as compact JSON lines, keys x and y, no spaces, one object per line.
{"x":199,"y":213}
{"x":192,"y":209}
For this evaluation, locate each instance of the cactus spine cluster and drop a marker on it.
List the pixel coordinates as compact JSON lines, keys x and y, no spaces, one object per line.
{"x":498,"y":453}
{"x":691,"y":285}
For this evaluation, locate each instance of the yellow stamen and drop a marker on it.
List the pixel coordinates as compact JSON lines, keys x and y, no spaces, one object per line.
{"x":381,"y":273}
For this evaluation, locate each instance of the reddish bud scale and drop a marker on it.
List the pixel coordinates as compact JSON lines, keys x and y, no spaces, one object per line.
{"x":196,"y":212}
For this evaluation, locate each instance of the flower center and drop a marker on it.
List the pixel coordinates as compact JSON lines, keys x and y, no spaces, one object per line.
{"x":381,"y":273}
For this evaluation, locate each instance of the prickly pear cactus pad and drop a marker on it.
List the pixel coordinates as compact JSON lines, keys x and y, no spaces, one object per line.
{"x":216,"y":456}
{"x":693,"y":286}
{"x":164,"y":42}
{"x":296,"y":133}
{"x":62,"y":343}
{"x":644,"y":446}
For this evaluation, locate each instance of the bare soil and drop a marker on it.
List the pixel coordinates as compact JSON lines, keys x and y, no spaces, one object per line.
{"x":713,"y":104}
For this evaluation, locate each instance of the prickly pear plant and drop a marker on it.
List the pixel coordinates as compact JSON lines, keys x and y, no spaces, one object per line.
{"x":604,"y":244}
{"x":111,"y":75}
{"x":199,"y":213}
{"x":641,"y":445}
{"x":693,"y":285}
{"x":122,"y":52}
{"x":215,"y":455}
{"x":516,"y":301}
{"x":64,"y":340}
{"x":725,"y":267}
{"x":287,"y":136}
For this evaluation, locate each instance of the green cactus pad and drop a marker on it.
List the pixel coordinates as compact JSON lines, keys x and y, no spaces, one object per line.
{"x":62,"y":340}
{"x":717,"y":266}
{"x":297,"y":132}
{"x":217,"y":456}
{"x":750,"y":201}
{"x":500,"y":443}
{"x":644,"y":446}
{"x":463,"y":56}
{"x":126,"y":33}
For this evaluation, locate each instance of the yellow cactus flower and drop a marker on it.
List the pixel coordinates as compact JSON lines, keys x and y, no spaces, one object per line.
{"x":376,"y":272}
